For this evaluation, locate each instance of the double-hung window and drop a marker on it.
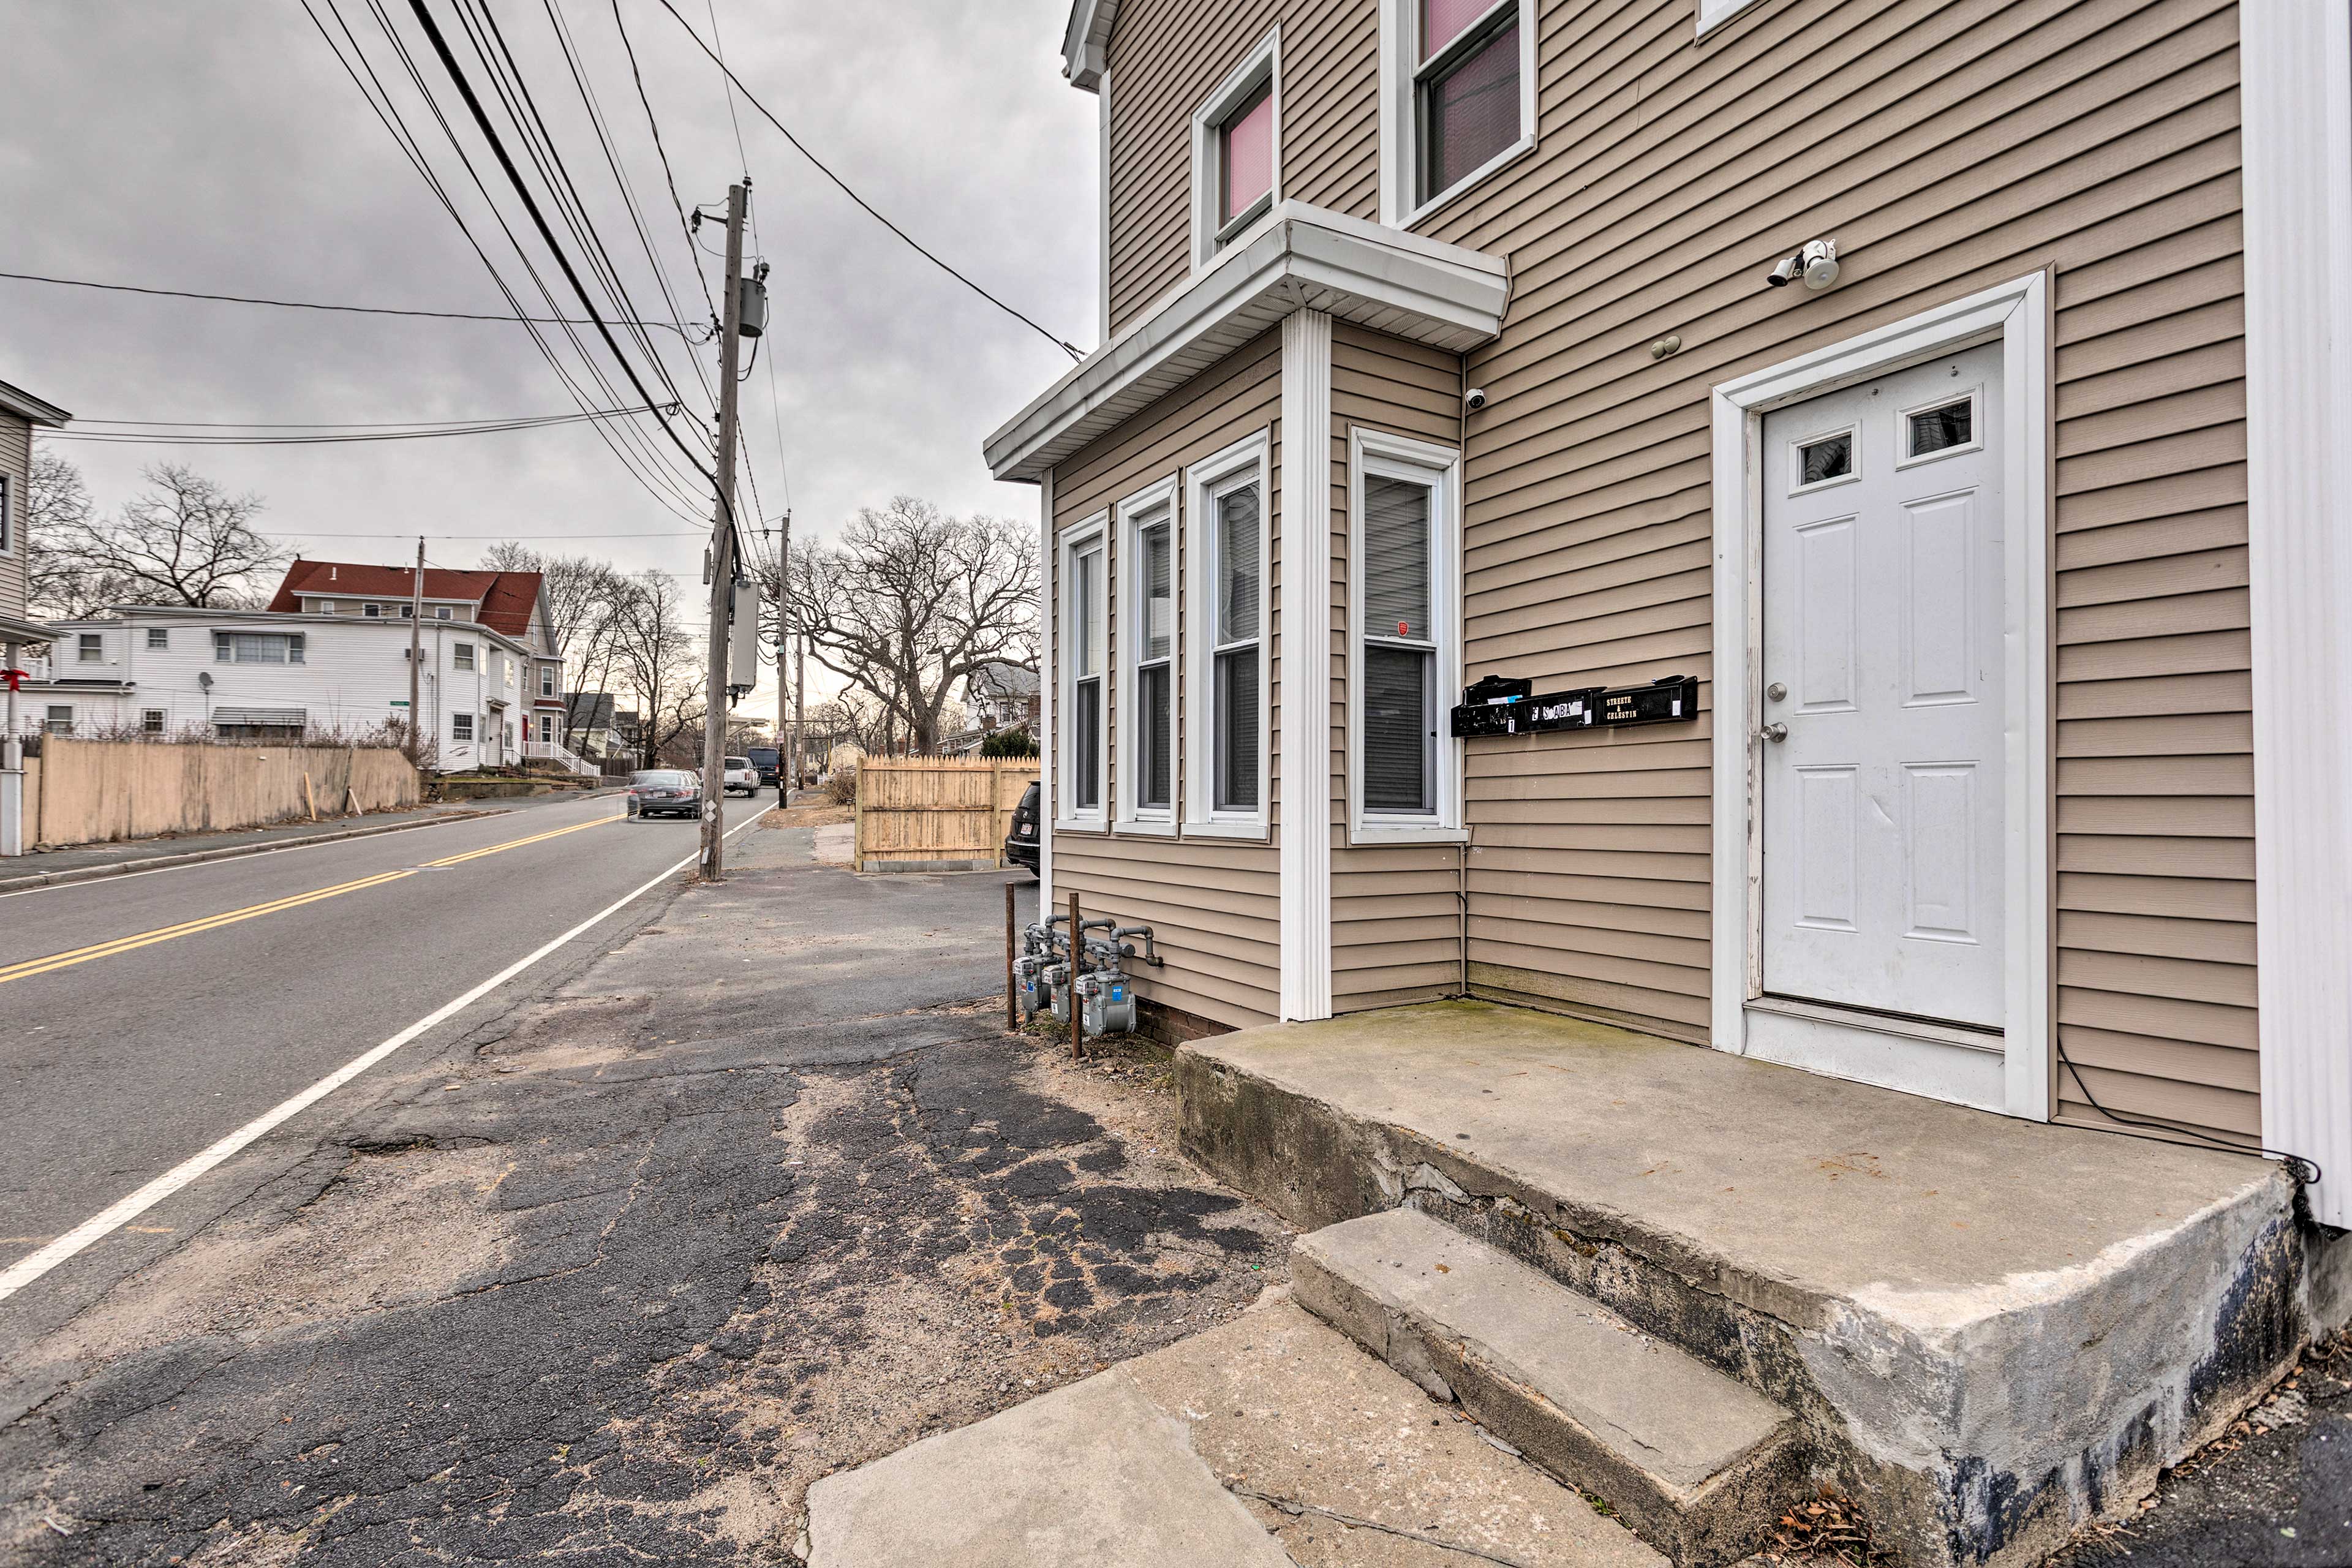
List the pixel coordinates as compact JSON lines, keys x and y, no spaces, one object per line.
{"x":461,"y":655}
{"x":1227,"y":642}
{"x":91,"y":647}
{"x":1404,"y":638}
{"x":1458,"y":96}
{"x":1237,"y":152}
{"x":1086,"y":646}
{"x":257,"y":647}
{"x":1146,"y":677}
{"x":159,"y":636}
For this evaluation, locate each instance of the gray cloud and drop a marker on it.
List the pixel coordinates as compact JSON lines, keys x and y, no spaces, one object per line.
{"x":217,"y":146}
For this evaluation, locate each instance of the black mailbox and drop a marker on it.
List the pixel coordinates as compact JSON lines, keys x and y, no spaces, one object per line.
{"x":1501,"y":705}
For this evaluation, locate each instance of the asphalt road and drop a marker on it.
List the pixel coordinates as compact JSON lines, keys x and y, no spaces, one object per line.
{"x":142,"y":1018}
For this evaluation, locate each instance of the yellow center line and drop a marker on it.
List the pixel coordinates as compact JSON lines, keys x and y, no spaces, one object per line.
{"x":32,"y":967}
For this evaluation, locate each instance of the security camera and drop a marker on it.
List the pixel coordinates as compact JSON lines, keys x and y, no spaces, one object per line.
{"x":1785,"y":273}
{"x":1475,"y":399}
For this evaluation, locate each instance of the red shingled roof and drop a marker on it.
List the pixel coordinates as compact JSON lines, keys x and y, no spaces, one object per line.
{"x":505,"y":597}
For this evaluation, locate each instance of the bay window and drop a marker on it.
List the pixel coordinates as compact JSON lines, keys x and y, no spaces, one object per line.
{"x":1227,"y":643}
{"x":1147,"y":676}
{"x":1085,"y":644}
{"x":1458,"y":96}
{"x":1404,"y":638}
{"x":1237,"y":152}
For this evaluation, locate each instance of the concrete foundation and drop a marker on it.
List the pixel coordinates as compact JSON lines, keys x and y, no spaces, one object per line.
{"x":1992,"y":1331}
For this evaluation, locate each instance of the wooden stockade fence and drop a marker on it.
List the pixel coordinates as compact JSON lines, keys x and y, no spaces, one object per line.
{"x":937,"y":814}
{"x":88,"y":792}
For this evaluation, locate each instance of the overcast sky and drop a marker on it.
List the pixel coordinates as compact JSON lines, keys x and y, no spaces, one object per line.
{"x":216,"y":145}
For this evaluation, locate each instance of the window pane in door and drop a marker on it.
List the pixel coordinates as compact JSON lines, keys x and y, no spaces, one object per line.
{"x":1442,"y":21}
{"x":1237,"y":564}
{"x":1237,"y":730}
{"x":1400,"y":753}
{"x":1938,"y":428}
{"x":1247,"y":154}
{"x":1396,"y":558}
{"x":1471,"y":111}
{"x":1154,"y":736}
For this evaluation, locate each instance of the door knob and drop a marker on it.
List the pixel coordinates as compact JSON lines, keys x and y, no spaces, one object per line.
{"x":1776,"y":691}
{"x":1776,"y":733}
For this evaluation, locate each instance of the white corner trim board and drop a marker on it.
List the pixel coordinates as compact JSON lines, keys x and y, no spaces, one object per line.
{"x":1306,"y":667}
{"x":2016,"y":316}
{"x":2295,"y":65}
{"x":1047,"y":746}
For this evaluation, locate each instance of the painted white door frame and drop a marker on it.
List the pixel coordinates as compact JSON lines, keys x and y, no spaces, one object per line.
{"x":2016,"y":315}
{"x":2296,"y":104}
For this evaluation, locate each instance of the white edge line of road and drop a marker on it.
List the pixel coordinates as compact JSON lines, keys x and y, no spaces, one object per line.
{"x":27,"y":1270}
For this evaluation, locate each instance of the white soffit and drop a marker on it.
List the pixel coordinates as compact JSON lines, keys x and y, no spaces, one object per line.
{"x":1303,"y":259}
{"x":1086,"y":41}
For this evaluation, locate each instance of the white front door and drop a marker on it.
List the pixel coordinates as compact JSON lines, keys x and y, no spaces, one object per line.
{"x":1883,"y":674}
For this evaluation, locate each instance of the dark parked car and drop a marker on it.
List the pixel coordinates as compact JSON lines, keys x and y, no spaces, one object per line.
{"x":768,"y":760}
{"x":1021,"y":844}
{"x":665,"y":792}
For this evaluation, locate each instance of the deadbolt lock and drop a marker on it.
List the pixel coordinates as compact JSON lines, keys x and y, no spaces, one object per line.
{"x":1776,"y":691}
{"x":1776,"y":733}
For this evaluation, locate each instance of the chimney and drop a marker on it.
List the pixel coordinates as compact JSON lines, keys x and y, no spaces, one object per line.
{"x":330,"y":574}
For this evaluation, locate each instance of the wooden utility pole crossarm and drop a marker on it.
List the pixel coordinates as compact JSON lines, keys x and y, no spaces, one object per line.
{"x":722,"y":552}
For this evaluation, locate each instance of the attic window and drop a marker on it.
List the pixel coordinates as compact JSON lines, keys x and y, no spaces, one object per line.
{"x":1237,"y":152}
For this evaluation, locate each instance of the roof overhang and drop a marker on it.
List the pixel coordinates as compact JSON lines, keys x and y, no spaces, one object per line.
{"x":17,"y":629}
{"x":1304,"y":259}
{"x":1086,"y":42}
{"x":25,"y":406}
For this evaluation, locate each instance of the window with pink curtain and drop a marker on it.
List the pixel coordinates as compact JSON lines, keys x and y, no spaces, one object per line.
{"x":1442,"y":21}
{"x":1246,"y":154}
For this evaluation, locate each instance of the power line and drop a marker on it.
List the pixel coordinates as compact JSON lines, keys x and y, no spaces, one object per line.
{"x":668,"y":178}
{"x":474,"y":538}
{"x":321,"y":305}
{"x":354,"y":424}
{"x":911,"y":242}
{"x":152,"y":436}
{"x":379,"y":101}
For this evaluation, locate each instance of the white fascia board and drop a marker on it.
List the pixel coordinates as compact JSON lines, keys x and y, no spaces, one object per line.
{"x":1307,"y":258}
{"x":1086,"y":42}
{"x":34,"y":410}
{"x":13,"y":630}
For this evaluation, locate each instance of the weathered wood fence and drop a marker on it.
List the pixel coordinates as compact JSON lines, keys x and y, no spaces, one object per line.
{"x":89,"y":791}
{"x":937,"y":814}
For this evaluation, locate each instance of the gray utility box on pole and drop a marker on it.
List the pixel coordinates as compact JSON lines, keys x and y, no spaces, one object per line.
{"x":743,"y":636}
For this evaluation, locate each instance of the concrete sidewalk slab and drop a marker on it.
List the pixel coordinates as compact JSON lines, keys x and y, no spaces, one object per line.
{"x":2001,"y":1329}
{"x":1091,"y":1476}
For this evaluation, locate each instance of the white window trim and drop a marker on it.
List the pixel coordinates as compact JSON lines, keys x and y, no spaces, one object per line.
{"x":8,"y":514}
{"x":1371,"y":451}
{"x":1252,"y":453}
{"x":1400,"y":133}
{"x":1712,"y":13}
{"x":2016,"y":316}
{"x":1094,"y":529}
{"x":1210,"y":240}
{"x":1150,"y":506}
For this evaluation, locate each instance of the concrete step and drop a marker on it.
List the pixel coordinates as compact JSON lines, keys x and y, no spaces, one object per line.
{"x":1267,"y":1440}
{"x":1697,"y":1463}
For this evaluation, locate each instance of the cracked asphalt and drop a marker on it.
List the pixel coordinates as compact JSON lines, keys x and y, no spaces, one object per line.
{"x":764,"y":1191}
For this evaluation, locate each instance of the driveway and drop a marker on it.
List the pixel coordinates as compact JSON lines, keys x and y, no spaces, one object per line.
{"x":764,"y":1191}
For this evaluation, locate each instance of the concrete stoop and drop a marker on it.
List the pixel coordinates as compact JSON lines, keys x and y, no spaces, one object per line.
{"x":1989,"y":1331}
{"x":1262,"y":1442}
{"x":1696,"y":1462}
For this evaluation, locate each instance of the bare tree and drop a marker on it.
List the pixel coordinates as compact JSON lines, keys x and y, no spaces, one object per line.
{"x":910,"y":601}
{"x":582,"y":595}
{"x":653,"y":656}
{"x":185,"y":540}
{"x":57,"y":504}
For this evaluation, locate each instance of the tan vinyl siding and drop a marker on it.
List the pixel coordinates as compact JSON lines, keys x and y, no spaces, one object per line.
{"x":1947,"y":147}
{"x":1167,"y":57}
{"x":1214,"y":903}
{"x":1396,"y":909}
{"x":16,"y":463}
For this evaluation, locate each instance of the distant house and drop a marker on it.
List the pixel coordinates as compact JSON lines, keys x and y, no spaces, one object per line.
{"x":998,"y":696}
{"x":328,"y":656}
{"x":20,"y":411}
{"x":594,"y":723}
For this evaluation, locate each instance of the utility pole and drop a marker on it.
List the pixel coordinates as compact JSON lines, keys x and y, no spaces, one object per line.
{"x":800,"y":700}
{"x":722,"y":552}
{"x":786,"y":741}
{"x":415,"y":647}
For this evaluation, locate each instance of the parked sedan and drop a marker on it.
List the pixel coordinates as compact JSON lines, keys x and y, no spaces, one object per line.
{"x":740,"y":775}
{"x":665,"y":792}
{"x":1021,"y":844}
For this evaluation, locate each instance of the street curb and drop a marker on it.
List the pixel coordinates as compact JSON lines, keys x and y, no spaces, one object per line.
{"x":196,"y":856}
